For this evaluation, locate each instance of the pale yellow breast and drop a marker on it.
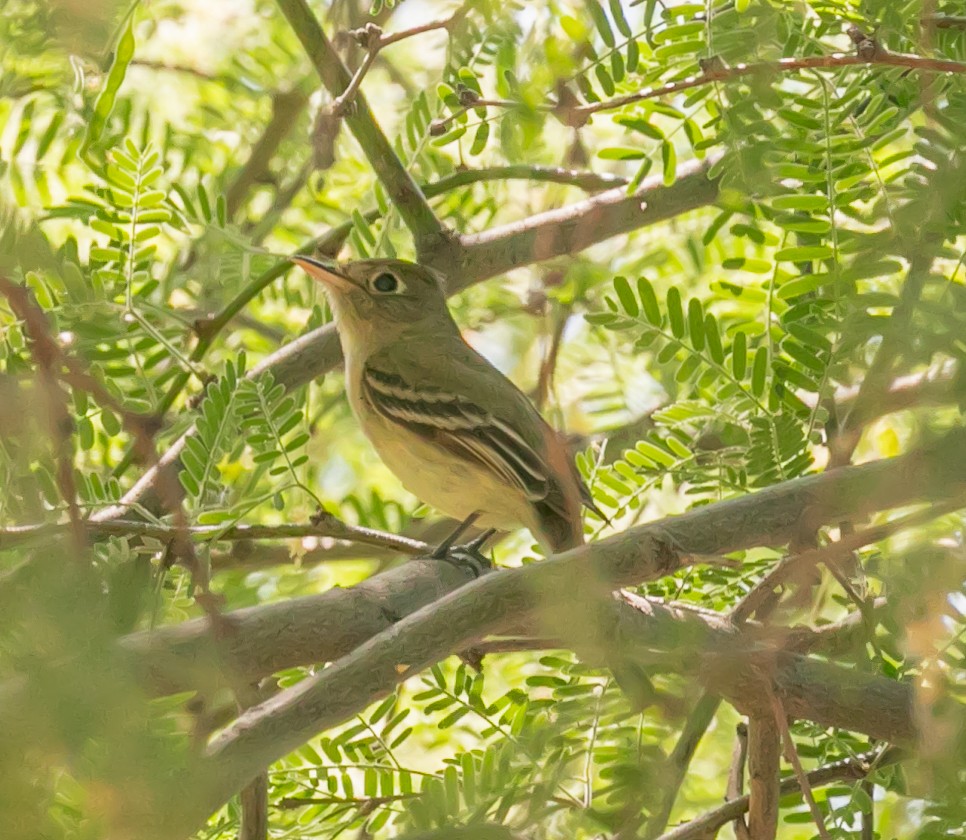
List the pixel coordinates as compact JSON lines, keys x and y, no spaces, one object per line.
{"x":453,"y":486}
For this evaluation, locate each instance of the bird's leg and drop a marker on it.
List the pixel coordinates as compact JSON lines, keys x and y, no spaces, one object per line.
{"x":476,"y":546}
{"x":440,"y":552}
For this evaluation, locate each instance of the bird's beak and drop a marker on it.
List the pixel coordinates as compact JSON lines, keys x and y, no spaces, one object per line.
{"x":330,"y":274}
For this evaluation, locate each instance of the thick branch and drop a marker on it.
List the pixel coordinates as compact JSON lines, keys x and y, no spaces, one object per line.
{"x":402,"y":189}
{"x":300,"y":631}
{"x":764,"y":754}
{"x":570,"y":229}
{"x":269,"y":731}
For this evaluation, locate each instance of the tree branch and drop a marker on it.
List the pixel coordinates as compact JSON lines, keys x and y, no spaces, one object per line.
{"x":296,"y":632}
{"x":326,"y":526}
{"x":813,"y":690}
{"x":400,"y":186}
{"x":286,"y":106}
{"x":868,"y":52}
{"x":573,"y":228}
{"x":680,"y":759}
{"x":764,"y":754}
{"x":849,"y":769}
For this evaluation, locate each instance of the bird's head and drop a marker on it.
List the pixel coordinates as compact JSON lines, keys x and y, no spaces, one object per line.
{"x":380,"y":299}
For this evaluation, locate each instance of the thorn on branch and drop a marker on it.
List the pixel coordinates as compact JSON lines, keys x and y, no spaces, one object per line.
{"x":467,"y":97}
{"x":568,"y":108}
{"x":866,"y":46}
{"x":368,"y":37}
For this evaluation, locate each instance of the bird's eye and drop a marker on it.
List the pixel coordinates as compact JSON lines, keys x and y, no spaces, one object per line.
{"x":386,"y":283}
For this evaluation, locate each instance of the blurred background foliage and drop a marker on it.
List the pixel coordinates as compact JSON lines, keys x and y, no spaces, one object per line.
{"x":157,"y":162}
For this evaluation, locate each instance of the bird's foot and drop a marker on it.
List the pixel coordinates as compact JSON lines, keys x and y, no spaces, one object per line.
{"x":468,"y":556}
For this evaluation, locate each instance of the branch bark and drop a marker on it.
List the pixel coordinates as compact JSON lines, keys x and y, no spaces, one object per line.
{"x":764,"y":755}
{"x":573,"y":228}
{"x":300,"y":631}
{"x":825,"y":693}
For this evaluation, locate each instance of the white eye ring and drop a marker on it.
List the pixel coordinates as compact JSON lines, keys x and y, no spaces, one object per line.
{"x":386,"y":283}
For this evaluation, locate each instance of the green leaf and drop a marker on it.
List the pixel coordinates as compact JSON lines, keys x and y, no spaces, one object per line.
{"x":626,"y":296}
{"x":675,"y":312}
{"x":617,"y":13}
{"x":804,"y":253}
{"x":802,"y":285}
{"x":669,"y":158}
{"x":104,"y":105}
{"x":649,"y":301}
{"x":640,"y":125}
{"x":621,"y":153}
{"x":480,"y":138}
{"x":601,"y":22}
{"x":713,"y":338}
{"x":808,"y":203}
{"x":696,"y":323}
{"x":739,"y":355}
{"x":759,"y":371}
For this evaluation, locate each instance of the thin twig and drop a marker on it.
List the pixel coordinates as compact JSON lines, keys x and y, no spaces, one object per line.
{"x":791,"y":756}
{"x":341,"y":104}
{"x":47,"y":354}
{"x":676,"y":767}
{"x":736,"y":777}
{"x":444,"y":23}
{"x":718,"y":72}
{"x":327,"y":527}
{"x":849,"y":769}
{"x":792,"y":565}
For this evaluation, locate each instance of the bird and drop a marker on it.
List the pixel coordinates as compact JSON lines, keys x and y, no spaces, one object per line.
{"x":454,"y":430}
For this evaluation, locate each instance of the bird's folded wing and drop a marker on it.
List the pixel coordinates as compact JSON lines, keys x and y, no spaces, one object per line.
{"x":462,"y":428}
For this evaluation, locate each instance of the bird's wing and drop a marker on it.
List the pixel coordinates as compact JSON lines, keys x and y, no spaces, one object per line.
{"x":461,"y":427}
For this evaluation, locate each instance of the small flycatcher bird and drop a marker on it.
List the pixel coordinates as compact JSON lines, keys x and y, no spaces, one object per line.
{"x":453,"y":429}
